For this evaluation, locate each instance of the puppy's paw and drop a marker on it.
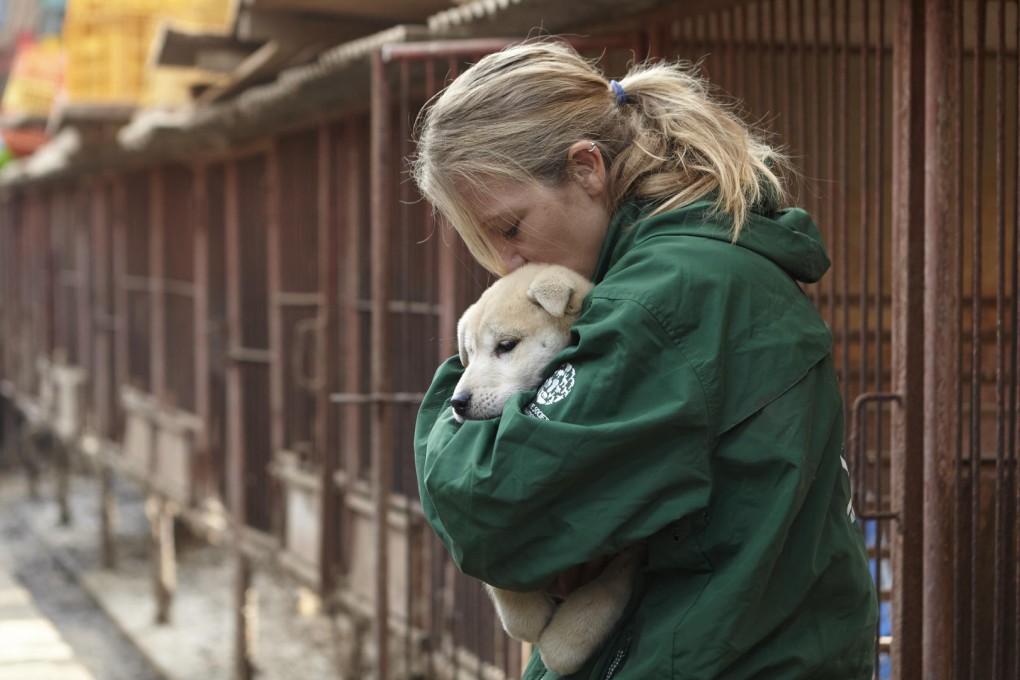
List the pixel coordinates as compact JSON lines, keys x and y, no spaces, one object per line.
{"x":524,"y":615}
{"x":587,"y":617}
{"x":563,"y":647}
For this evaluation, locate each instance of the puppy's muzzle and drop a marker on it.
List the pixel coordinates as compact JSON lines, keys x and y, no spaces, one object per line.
{"x":460,"y":402}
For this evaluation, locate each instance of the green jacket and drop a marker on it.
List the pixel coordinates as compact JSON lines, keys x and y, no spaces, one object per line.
{"x":699,"y":408}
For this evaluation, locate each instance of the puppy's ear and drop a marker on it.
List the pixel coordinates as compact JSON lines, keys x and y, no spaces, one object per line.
{"x":559,"y":290}
{"x":462,"y":330}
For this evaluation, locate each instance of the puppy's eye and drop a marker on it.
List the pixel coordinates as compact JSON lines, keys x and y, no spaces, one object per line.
{"x":506,"y":346}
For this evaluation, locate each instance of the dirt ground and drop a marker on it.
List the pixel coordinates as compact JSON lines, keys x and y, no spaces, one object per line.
{"x":108,"y":616}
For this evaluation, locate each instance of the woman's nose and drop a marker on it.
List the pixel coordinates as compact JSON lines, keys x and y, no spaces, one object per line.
{"x":512,"y":259}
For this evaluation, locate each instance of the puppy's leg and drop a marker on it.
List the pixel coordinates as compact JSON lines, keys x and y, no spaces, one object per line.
{"x":585,"y":619}
{"x":524,"y":615}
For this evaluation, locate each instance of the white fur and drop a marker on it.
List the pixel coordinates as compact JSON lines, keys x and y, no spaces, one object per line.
{"x":534,"y":308}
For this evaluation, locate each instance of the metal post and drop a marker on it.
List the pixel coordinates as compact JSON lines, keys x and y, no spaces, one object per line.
{"x":326,"y":361}
{"x":382,"y":432}
{"x":941,"y":337}
{"x":121,"y":367}
{"x":907,"y":455}
{"x":104,"y":386}
{"x":200,"y":253}
{"x":275,"y":309}
{"x":236,"y":496}
{"x":157,"y":322}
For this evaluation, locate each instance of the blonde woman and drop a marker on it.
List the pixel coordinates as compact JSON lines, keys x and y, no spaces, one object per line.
{"x":703,"y":414}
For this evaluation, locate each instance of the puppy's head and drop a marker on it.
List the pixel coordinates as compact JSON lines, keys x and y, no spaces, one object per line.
{"x":511,"y":334}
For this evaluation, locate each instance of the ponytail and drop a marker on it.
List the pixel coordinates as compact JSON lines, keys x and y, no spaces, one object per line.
{"x":513,"y":115}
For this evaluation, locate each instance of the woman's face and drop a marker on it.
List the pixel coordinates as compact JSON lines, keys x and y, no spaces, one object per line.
{"x":563,"y":224}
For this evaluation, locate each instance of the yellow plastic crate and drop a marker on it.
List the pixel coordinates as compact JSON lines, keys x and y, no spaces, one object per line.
{"x":108,"y":43}
{"x":106,"y":58}
{"x":35,"y":78}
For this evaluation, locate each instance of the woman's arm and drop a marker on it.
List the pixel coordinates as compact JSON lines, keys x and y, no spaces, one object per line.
{"x":571,"y":476}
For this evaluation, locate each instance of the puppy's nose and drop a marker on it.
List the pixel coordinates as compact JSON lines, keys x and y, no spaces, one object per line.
{"x":460,"y":402}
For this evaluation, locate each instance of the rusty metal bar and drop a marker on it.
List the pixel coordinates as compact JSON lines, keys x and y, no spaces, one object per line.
{"x":1002,"y":479}
{"x":243,"y":668}
{"x":840,"y":180}
{"x":273,"y":273}
{"x":941,"y":338}
{"x":381,"y":379}
{"x":235,"y":429}
{"x":433,"y":554}
{"x":879,"y":190}
{"x":377,"y":398}
{"x":864,"y":228}
{"x":908,"y":248}
{"x":771,"y":48}
{"x":101,"y":290}
{"x":251,"y":355}
{"x":443,"y":48}
{"x":857,"y":428}
{"x":200,"y":310}
{"x":121,"y":344}
{"x":104,"y":381}
{"x":292,"y":299}
{"x":405,"y":271}
{"x":1014,"y":392}
{"x":351,"y":171}
{"x":328,"y":329}
{"x":79,"y":237}
{"x":975,"y":308}
{"x":157,"y":320}
{"x":813,"y":147}
{"x":415,"y":51}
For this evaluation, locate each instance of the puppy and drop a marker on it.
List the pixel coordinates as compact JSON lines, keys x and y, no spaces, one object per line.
{"x":506,"y":339}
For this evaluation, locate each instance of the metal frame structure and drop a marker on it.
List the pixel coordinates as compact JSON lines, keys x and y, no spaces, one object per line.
{"x":247,"y":334}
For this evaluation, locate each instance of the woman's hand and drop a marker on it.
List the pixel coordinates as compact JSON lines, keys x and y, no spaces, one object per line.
{"x":570,"y":580}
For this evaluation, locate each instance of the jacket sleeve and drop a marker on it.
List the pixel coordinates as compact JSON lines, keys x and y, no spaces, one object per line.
{"x":613,"y":447}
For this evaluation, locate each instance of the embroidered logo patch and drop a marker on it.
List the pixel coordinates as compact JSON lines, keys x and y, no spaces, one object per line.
{"x":535,"y":412}
{"x":557,"y":387}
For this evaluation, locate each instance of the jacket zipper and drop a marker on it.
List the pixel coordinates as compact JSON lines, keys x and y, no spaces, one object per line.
{"x":617,"y":661}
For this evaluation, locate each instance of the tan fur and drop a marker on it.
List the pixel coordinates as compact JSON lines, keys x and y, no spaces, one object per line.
{"x":536,"y":306}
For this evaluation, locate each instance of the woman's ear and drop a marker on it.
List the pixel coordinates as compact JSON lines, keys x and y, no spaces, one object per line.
{"x":584,"y":162}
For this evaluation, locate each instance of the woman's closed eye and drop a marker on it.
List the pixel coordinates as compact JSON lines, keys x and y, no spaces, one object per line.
{"x":512,"y":231}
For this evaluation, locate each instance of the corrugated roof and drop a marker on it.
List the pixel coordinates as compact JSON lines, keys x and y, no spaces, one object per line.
{"x":340,"y":77}
{"x":523,"y":17}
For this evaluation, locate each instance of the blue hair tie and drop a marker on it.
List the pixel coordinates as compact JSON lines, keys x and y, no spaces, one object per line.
{"x":621,"y":96}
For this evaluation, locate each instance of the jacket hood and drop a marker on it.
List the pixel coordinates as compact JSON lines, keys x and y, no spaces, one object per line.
{"x":789,"y":237}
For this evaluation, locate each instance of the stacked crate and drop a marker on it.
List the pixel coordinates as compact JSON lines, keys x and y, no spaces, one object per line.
{"x":35,"y":78}
{"x":108,"y":43}
{"x":31,"y":89}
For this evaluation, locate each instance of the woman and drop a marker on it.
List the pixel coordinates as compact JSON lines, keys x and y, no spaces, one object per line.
{"x":705,"y":415}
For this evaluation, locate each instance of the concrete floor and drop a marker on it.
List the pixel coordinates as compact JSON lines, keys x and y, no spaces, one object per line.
{"x":292,"y":642}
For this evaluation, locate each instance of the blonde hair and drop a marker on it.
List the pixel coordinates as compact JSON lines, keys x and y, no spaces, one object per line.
{"x":514,"y":114}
